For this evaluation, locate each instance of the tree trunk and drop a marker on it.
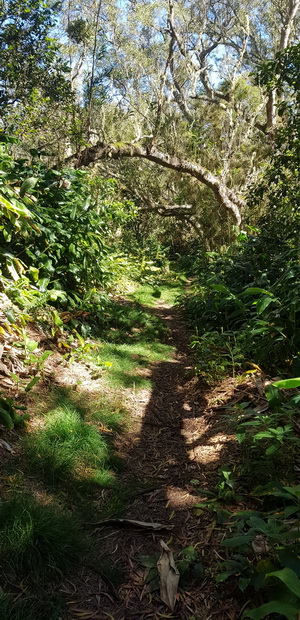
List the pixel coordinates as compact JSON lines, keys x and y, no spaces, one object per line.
{"x":286,"y":30}
{"x":226,"y":197}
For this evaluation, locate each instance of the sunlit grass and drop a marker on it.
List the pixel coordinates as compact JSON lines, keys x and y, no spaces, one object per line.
{"x":124,"y":365}
{"x":67,"y":447}
{"x":165,"y":293}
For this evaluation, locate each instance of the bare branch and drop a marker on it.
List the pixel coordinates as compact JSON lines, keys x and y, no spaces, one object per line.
{"x":178,"y":94}
{"x":287,"y":27}
{"x":162,"y":88}
{"x":196,"y":60}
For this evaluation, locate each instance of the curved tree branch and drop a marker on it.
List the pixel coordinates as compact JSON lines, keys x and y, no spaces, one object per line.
{"x":226,"y":197}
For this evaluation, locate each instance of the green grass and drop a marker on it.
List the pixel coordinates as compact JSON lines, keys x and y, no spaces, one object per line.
{"x":38,"y":542}
{"x":56,"y":483}
{"x":164,"y":292}
{"x":123,"y":364}
{"x":133,"y":340}
{"x":32,"y":606}
{"x":37,"y":538}
{"x":67,"y":447}
{"x":130,"y":322}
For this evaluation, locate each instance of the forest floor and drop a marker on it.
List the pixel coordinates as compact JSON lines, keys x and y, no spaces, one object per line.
{"x":166,"y":435}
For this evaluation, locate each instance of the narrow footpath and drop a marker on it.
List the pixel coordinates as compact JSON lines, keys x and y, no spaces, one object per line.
{"x":176,"y":442}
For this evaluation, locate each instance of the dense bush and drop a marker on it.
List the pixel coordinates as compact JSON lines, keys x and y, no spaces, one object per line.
{"x":58,"y":229}
{"x":249,"y":295}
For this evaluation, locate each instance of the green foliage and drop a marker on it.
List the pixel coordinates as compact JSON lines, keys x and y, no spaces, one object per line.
{"x":246,"y":303}
{"x":28,"y":50}
{"x":277,"y":190}
{"x":264,"y":541}
{"x":270,"y":428}
{"x":268,"y":548}
{"x":8,"y":413}
{"x":250,"y":292}
{"x":57,"y":232}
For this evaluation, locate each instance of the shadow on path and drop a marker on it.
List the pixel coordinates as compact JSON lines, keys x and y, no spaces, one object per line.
{"x":175,"y":444}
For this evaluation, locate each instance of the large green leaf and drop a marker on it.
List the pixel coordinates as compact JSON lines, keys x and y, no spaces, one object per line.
{"x":253,"y":290}
{"x":17,"y":208}
{"x":237,"y":541}
{"x":273,"y":395}
{"x":290,"y":559}
{"x":220,"y":288}
{"x":274,"y":607}
{"x":287,"y":384}
{"x":263,"y":303}
{"x":28,"y":185}
{"x":289,"y":578}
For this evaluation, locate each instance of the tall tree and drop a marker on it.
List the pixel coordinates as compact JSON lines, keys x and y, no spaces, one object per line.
{"x":30,"y":58}
{"x":180,"y":91}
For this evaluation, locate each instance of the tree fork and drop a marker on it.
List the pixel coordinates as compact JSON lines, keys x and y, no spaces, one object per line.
{"x":226,"y":197}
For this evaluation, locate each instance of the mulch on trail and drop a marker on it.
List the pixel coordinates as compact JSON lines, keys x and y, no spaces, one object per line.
{"x":175,"y":439}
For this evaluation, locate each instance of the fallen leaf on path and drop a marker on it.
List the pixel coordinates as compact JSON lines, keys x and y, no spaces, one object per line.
{"x":210,"y":531}
{"x":4,"y":369}
{"x":168,"y":576}
{"x":143,"y":524}
{"x":6,"y":445}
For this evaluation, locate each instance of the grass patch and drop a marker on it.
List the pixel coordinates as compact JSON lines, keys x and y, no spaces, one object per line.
{"x":37,"y":539}
{"x":69,"y":455}
{"x":164,"y":292}
{"x":124,"y":364}
{"x":69,"y":448}
{"x":32,"y":606}
{"x":129,"y":323}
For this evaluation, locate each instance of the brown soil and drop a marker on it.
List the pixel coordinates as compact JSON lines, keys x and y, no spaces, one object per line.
{"x":177,"y":435}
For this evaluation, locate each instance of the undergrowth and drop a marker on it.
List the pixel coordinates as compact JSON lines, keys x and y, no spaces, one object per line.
{"x":65,"y":473}
{"x":244,"y":314}
{"x":38,"y":541}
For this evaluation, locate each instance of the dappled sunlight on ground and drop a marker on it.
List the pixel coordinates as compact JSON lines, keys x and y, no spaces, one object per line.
{"x":141,"y":436}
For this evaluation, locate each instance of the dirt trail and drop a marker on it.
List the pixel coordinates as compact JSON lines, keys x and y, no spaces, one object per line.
{"x":174,"y":439}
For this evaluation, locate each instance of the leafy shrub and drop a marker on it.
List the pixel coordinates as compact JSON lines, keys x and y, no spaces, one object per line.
{"x":57,"y":228}
{"x":254,"y":320}
{"x":263,"y":544}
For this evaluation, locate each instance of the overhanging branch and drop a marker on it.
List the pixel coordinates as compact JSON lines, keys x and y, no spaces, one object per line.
{"x":226,"y":197}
